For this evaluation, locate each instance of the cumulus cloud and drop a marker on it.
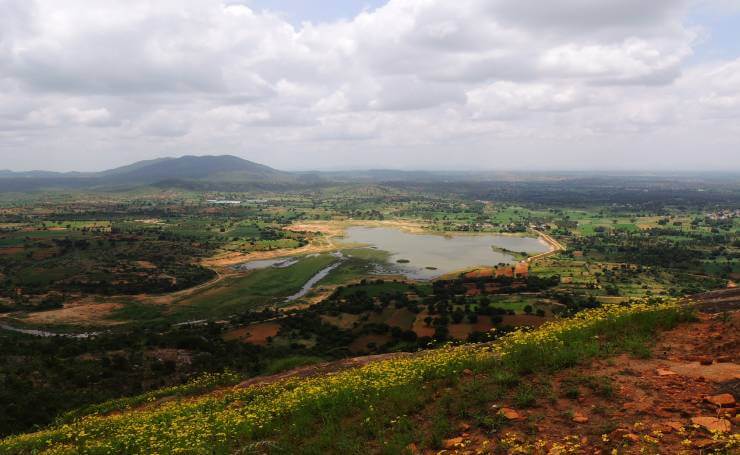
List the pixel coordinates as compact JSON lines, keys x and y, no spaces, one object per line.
{"x":410,"y":79}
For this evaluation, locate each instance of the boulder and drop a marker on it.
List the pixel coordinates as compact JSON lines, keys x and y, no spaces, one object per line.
{"x":452,"y":443}
{"x":674,"y":425}
{"x":631,"y":437}
{"x":724,"y":400}
{"x":511,"y":414}
{"x":579,"y":418}
{"x":712,"y":424}
{"x":665,"y":372}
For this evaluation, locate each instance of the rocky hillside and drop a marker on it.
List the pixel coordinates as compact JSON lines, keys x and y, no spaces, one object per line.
{"x":646,"y":378}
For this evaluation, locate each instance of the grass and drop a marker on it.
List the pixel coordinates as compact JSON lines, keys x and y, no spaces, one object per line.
{"x":525,"y":396}
{"x":288,"y":363}
{"x":201,"y":384}
{"x":516,"y":302}
{"x":320,"y":414}
{"x":373,"y":289}
{"x":258,"y":288}
{"x":360,"y":262}
{"x":137,"y":311}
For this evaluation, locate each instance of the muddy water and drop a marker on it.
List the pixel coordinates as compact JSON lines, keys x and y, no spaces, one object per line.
{"x":432,"y":255}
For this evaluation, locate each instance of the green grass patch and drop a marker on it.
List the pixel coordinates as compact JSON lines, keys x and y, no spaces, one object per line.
{"x":288,"y":363}
{"x":258,"y":288}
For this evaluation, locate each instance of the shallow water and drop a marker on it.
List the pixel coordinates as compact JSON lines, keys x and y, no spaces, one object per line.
{"x":312,"y":282}
{"x":432,"y":255}
{"x":278,"y":263}
{"x":320,"y":275}
{"x":45,"y":334}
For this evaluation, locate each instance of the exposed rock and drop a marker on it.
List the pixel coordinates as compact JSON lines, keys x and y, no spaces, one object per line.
{"x":511,"y":414}
{"x":579,"y":418}
{"x":468,"y":372}
{"x":452,"y":443}
{"x":674,"y":425}
{"x":631,"y":437}
{"x":665,"y":372}
{"x":661,"y":413}
{"x":725,"y":400}
{"x":712,"y":423}
{"x":703,"y":443}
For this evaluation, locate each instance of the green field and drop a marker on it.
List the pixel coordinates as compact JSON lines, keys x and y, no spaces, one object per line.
{"x":256,"y":289}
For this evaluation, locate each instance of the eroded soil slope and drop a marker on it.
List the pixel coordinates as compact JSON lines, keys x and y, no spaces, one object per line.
{"x":666,"y":400}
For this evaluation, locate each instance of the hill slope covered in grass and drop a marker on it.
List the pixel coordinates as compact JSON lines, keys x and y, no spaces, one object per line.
{"x":404,"y":404}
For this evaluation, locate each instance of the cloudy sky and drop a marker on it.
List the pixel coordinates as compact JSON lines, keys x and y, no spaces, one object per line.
{"x":347,"y":84}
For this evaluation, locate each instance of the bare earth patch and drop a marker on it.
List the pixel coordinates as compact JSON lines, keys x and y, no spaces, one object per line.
{"x":146,"y":265}
{"x":669,"y":403}
{"x":84,"y":312}
{"x":254,"y":334}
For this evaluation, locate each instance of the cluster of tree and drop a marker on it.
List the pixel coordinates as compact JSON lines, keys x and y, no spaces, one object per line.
{"x":40,"y":378}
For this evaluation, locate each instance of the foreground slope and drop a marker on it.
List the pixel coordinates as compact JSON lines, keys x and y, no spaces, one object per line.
{"x":457,"y":397}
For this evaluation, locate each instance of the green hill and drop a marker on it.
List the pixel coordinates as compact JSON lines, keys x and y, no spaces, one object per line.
{"x":222,"y":171}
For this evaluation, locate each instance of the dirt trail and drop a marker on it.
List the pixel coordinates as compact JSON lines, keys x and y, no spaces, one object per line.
{"x":556,"y":247}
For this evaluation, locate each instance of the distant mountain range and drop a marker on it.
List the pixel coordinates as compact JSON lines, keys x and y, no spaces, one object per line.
{"x":186,"y":171}
{"x":231,"y":173}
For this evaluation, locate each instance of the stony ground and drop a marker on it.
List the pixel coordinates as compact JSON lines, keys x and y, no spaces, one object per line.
{"x":667,"y":400}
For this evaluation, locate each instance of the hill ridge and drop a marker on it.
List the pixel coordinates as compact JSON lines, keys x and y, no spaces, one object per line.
{"x":175,"y":171}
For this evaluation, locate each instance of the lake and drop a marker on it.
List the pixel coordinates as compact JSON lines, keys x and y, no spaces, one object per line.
{"x":432,"y":255}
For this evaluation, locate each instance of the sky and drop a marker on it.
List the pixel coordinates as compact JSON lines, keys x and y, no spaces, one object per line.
{"x":351,"y":84}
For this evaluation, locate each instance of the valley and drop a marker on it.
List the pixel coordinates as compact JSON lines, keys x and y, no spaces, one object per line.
{"x":150,"y":288}
{"x":376,"y":227}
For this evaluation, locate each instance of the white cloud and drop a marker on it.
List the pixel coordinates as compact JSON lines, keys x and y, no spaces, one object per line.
{"x":410,"y":79}
{"x":71,"y":115}
{"x":507,"y":100}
